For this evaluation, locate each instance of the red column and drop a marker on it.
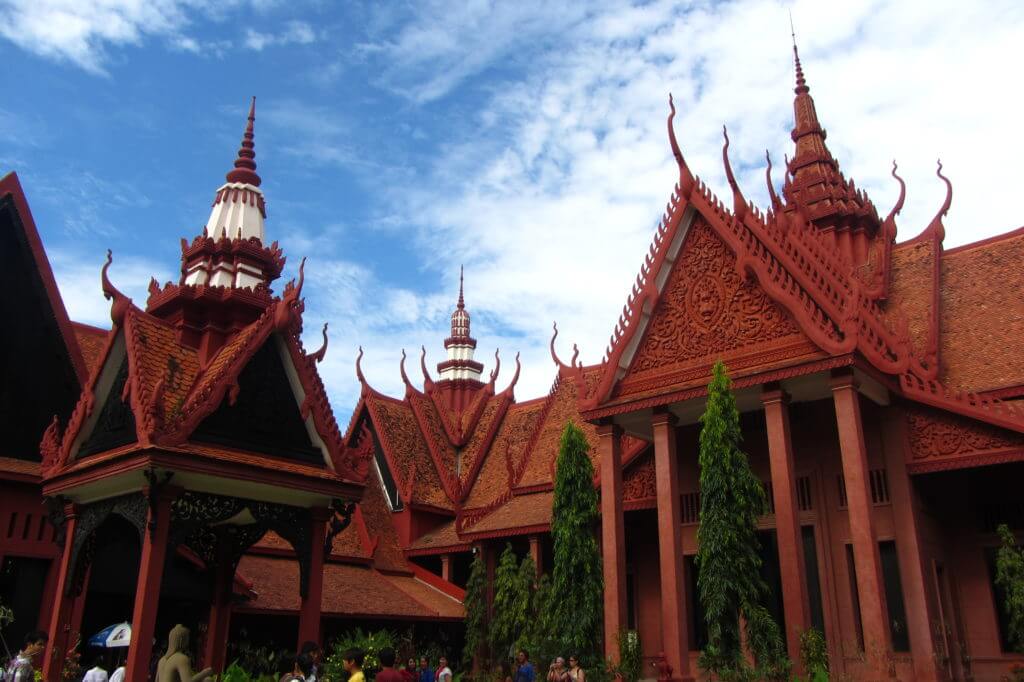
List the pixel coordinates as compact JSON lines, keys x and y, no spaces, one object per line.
{"x":53,"y":665}
{"x":674,"y":637}
{"x":862,"y":528}
{"x":491,"y":565}
{"x":613,"y":537}
{"x":309,"y":616}
{"x":535,"y":553}
{"x":446,"y":567}
{"x":147,"y":587}
{"x":908,"y":547}
{"x":787,"y":520}
{"x":215,"y":646}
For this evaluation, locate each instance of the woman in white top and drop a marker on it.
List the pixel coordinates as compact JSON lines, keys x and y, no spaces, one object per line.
{"x":118,"y":675}
{"x":96,"y":673}
{"x":444,"y":673}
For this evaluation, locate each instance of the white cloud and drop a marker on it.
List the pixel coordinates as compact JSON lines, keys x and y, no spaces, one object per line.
{"x":295,"y":33}
{"x":83,"y":32}
{"x":551,"y":195}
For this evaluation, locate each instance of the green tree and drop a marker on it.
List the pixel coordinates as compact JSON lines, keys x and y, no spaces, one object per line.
{"x":537,"y":641}
{"x":728,"y":580}
{"x":475,"y":603}
{"x":513,"y":592}
{"x":573,"y":621}
{"x":524,"y":605}
{"x":1010,"y":579}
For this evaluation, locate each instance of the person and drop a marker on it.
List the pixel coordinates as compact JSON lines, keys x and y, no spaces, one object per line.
{"x":575,"y":673}
{"x":524,"y":669}
{"x":118,"y":674}
{"x":353,"y":659}
{"x":21,"y":667}
{"x":174,"y":666}
{"x":556,"y":671}
{"x":409,"y":671}
{"x":387,"y":666}
{"x":302,"y":671}
{"x":313,"y":650}
{"x":506,"y":671}
{"x":444,"y":673}
{"x":96,"y":673}
{"x":426,"y":674}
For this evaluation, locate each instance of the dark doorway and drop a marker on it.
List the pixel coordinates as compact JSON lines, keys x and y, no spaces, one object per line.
{"x":22,"y":581}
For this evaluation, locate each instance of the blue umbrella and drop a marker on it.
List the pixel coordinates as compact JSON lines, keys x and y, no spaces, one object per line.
{"x":112,"y":636}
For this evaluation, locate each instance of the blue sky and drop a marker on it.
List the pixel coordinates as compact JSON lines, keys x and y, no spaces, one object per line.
{"x":526,"y":140}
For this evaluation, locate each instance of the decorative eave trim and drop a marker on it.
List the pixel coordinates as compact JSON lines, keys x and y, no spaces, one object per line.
{"x":701,"y":391}
{"x":506,"y":532}
{"x":440,"y":549}
{"x":438,"y":583}
{"x":966,"y":461}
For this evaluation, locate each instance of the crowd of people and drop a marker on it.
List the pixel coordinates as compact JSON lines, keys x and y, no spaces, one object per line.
{"x":174,"y":665}
{"x":558,"y":671}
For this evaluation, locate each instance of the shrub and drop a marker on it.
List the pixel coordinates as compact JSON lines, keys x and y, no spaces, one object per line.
{"x":630,"y":656}
{"x":369,"y":642}
{"x":1010,"y":579}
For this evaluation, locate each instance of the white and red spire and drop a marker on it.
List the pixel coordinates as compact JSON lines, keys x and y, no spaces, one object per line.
{"x":460,"y":364}
{"x":236,"y":219}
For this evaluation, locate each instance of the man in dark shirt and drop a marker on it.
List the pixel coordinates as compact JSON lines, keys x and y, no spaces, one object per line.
{"x":387,"y":664}
{"x":426,"y":674}
{"x":524,"y":669}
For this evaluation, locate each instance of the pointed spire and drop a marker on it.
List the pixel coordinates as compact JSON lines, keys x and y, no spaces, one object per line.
{"x":801,"y":82}
{"x":245,"y":165}
{"x":462,"y":302}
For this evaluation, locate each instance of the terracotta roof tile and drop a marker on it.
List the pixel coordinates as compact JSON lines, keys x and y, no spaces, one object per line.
{"x":479,"y":444}
{"x":520,"y":512}
{"x":443,"y":536}
{"x":380,"y":527}
{"x":159,"y":356}
{"x":435,"y":435}
{"x":982,"y":315}
{"x":505,"y":453}
{"x":432,"y":599}
{"x":91,"y":341}
{"x":348,"y":590}
{"x":564,"y":407}
{"x":401,"y":437}
{"x":22,"y":467}
{"x":911,"y":288}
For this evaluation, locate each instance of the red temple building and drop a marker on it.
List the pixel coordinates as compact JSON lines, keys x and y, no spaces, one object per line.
{"x":876,"y":379}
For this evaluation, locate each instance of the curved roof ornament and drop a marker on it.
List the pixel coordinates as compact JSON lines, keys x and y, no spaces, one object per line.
{"x":686,"y":181}
{"x":428,"y":383}
{"x":739,"y":204}
{"x":497,"y":367}
{"x":776,"y":203}
{"x":318,"y":356}
{"x":359,"y":366}
{"x":899,"y":202}
{"x":121,"y":303}
{"x":936,"y":224}
{"x":551,"y":345}
{"x":401,"y":369}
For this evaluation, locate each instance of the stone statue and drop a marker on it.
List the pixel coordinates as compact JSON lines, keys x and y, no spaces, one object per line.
{"x":175,"y":666}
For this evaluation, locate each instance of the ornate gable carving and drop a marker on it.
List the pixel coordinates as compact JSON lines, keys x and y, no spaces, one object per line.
{"x":707,"y":311}
{"x":939,"y":440}
{"x":639,"y":482}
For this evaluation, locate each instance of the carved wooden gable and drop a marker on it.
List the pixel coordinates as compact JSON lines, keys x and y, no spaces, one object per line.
{"x":938,"y":440}
{"x":706,"y":311}
{"x":264,"y":416}
{"x":116,"y":424}
{"x":639,"y":485}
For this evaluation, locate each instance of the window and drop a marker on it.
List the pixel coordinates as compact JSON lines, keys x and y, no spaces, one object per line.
{"x":813,"y":579}
{"x":894,"y":596}
{"x":771,"y":573}
{"x":698,"y":630}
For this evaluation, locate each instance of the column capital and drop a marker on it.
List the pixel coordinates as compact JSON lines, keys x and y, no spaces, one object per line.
{"x":844,"y":378}
{"x":609,"y":428}
{"x":662,"y":415}
{"x":774,"y":393}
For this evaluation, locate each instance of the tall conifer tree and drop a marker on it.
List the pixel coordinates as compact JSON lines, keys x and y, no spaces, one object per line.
{"x":573,"y":619}
{"x":729,"y":581}
{"x":475,"y":604}
{"x":512,"y":597}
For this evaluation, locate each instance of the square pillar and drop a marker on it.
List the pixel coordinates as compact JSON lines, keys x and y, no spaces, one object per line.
{"x":787,"y":520}
{"x":867,"y":563}
{"x":53,"y":664}
{"x":219,"y":621}
{"x":535,"y":553}
{"x":613,"y":537}
{"x":908,"y":548}
{"x":674,"y":636}
{"x":309,"y":614}
{"x":446,"y":567}
{"x":147,"y":587}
